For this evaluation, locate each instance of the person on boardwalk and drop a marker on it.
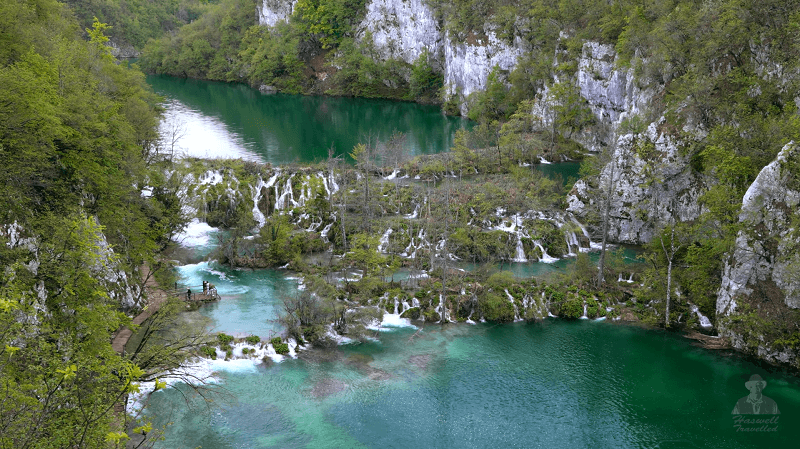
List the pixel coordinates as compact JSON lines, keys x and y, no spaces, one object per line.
{"x":205,"y":287}
{"x":188,"y":294}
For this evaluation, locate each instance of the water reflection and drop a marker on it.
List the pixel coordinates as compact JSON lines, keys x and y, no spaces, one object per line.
{"x":233,"y":120}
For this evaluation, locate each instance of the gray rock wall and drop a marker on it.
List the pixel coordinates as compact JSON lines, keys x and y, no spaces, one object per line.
{"x":610,"y":92}
{"x":650,"y":187}
{"x":467,"y":65}
{"x":274,"y":11}
{"x":402,"y":29}
{"x":763,"y":272}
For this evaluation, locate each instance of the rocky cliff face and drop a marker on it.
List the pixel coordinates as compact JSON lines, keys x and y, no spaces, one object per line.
{"x":652,"y":184}
{"x":762,"y":275}
{"x":611,"y":93}
{"x":402,"y":30}
{"x":274,"y":11}
{"x":467,"y":65}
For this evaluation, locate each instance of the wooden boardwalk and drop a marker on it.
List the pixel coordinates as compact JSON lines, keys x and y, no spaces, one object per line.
{"x":158,"y":297}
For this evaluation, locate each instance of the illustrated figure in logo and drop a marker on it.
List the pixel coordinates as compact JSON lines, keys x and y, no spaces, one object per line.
{"x":755,"y":403}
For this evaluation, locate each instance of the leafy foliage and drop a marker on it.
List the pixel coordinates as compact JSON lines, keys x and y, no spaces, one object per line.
{"x":78,"y":140}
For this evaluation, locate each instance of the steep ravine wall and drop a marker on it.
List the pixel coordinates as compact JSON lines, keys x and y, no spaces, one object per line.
{"x":274,"y":11}
{"x":652,"y":184}
{"x":762,"y":274}
{"x":402,"y":29}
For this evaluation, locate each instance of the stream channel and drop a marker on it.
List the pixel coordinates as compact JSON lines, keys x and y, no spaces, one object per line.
{"x":550,"y":384}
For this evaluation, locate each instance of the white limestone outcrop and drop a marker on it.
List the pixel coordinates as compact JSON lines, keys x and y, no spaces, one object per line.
{"x":763,"y":270}
{"x":652,"y":185}
{"x":765,"y":251}
{"x":467,"y":65}
{"x":402,"y":30}
{"x":273,"y":11}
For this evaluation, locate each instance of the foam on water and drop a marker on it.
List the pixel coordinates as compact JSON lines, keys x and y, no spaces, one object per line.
{"x":198,"y":371}
{"x":195,"y":234}
{"x":393,"y":321}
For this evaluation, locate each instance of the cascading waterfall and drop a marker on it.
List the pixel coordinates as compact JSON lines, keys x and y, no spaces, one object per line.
{"x":414,"y":214}
{"x":520,"y":256}
{"x":281,"y":202}
{"x":514,"y":304}
{"x":546,"y":258}
{"x":572,"y":241}
{"x":441,"y":310}
{"x":332,"y":181}
{"x":324,"y":234}
{"x":257,"y":214}
{"x":384,"y":241}
{"x":585,"y":316}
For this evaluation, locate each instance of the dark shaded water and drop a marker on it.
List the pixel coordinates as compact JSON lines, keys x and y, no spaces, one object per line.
{"x":219,"y":120}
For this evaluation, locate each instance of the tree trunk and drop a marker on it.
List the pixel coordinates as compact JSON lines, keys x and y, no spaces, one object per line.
{"x":601,"y":265}
{"x":670,"y":257}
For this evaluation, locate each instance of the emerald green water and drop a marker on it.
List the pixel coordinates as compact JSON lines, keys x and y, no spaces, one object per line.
{"x":233,"y":120}
{"x":556,"y":383}
{"x":552,"y":384}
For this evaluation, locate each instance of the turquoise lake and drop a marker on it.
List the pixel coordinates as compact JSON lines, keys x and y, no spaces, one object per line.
{"x":551,"y":384}
{"x":220,"y":120}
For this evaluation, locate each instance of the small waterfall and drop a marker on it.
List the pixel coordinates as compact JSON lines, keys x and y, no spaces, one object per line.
{"x":306,"y":185}
{"x":414,"y":214}
{"x":520,"y":257}
{"x":396,"y":304}
{"x":546,"y":258}
{"x":514,"y":304}
{"x":258,"y":216}
{"x":592,"y":245}
{"x":384,"y":241}
{"x":324,"y":234}
{"x":281,"y":202}
{"x":332,"y":181}
{"x":324,"y":179}
{"x":704,"y":321}
{"x":572,"y":241}
{"x":584,"y":317}
{"x":405,"y":305}
{"x":441,"y":310}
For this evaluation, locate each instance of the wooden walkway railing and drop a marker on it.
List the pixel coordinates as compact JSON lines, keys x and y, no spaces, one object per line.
{"x":196,"y":295}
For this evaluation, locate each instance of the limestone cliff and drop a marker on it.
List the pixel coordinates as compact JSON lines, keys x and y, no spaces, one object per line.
{"x":467,"y":65}
{"x":402,"y":30}
{"x":610,"y":92}
{"x":652,"y":184}
{"x":762,"y":275}
{"x":274,"y":11}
